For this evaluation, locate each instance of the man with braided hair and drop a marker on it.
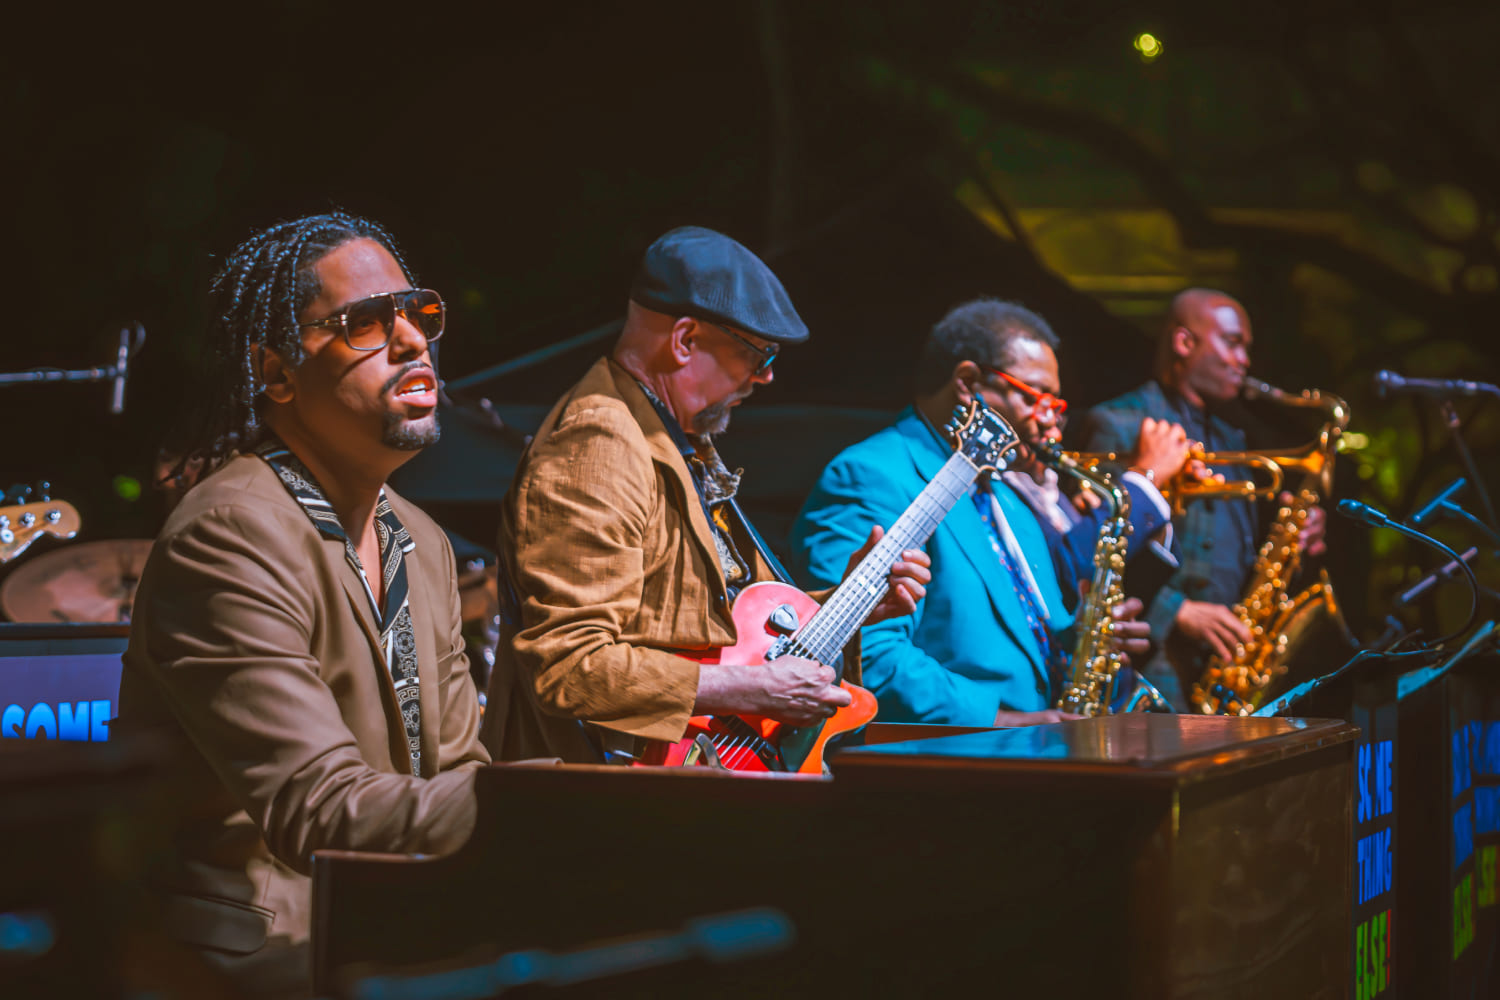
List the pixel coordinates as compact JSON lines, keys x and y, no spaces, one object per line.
{"x":296,"y":633}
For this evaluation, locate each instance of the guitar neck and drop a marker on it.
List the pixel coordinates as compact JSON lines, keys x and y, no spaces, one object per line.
{"x":830,"y":630}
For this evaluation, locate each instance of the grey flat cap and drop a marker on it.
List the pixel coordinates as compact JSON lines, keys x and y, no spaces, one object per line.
{"x":692,"y":271}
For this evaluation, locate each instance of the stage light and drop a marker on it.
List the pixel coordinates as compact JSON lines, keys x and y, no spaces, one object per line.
{"x":1149,"y":46}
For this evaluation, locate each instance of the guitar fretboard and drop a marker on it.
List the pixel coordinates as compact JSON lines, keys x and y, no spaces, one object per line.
{"x":825,"y":636}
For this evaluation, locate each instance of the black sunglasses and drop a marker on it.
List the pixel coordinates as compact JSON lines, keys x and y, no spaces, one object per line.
{"x":766,"y":354}
{"x":369,"y":323}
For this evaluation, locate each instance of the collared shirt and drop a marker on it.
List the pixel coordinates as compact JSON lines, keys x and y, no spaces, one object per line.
{"x":398,"y":643}
{"x":1012,"y":558}
{"x":1047,"y":501}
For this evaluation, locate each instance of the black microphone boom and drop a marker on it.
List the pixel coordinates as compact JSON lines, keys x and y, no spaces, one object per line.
{"x":1365,"y":514}
{"x":1389,"y":383}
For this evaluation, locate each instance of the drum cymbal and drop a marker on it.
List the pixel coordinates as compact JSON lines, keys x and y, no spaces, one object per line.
{"x":86,"y":582}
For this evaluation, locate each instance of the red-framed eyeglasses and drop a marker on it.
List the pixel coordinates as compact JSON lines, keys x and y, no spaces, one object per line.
{"x":1040,"y":400}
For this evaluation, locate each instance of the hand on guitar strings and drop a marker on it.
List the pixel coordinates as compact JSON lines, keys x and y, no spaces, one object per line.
{"x":788,"y":689}
{"x":908,"y":580}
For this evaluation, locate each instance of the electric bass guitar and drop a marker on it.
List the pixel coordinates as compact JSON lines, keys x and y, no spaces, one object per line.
{"x":22,"y":524}
{"x":775,"y":619}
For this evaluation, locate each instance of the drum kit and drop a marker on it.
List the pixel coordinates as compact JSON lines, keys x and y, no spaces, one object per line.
{"x":96,"y":581}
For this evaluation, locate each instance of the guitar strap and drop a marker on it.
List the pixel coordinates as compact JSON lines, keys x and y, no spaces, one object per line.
{"x":778,"y":570}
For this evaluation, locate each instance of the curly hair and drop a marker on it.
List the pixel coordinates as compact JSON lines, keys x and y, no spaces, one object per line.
{"x":983,"y":331}
{"x":256,"y":297}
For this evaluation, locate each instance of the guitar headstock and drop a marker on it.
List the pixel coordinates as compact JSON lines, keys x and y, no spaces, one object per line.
{"x":21,"y":524}
{"x":982,"y":436}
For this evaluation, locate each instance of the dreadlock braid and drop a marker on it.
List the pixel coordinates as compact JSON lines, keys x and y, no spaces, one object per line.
{"x":256,"y":297}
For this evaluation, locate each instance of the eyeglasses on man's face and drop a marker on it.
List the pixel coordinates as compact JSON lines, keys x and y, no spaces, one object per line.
{"x":765,"y":354}
{"x":368,"y":324}
{"x":1042,"y":402}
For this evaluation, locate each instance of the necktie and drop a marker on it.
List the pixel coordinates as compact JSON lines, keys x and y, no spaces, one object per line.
{"x":1030,"y":605}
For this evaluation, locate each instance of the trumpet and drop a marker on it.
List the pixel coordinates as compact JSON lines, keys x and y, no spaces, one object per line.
{"x":1313,"y":460}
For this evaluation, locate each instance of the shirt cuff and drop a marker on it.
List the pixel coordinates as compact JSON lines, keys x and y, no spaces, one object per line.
{"x":1147,"y":487}
{"x":1161,"y":544}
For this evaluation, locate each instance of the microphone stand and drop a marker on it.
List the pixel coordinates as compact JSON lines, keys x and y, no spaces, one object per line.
{"x":1443,"y":504}
{"x":1455,"y":433}
{"x":1428,"y":540}
{"x":1378,"y":519}
{"x":131,"y":339}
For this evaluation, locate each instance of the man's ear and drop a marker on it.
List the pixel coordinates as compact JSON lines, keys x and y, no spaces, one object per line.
{"x":683,"y":341}
{"x":1183,"y":341}
{"x":273,"y":374}
{"x":966,"y":379}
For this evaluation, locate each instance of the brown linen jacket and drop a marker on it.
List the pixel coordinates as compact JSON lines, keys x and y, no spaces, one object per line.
{"x":615,"y":572}
{"x":252,"y":653}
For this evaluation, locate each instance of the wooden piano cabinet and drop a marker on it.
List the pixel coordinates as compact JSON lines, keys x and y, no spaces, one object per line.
{"x":1150,"y":856}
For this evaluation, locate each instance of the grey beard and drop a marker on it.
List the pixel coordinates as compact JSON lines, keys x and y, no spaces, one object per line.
{"x":410,"y":435}
{"x":713,"y":419}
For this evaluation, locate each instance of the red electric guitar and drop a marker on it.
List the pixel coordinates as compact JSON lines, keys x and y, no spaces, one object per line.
{"x":775,"y":619}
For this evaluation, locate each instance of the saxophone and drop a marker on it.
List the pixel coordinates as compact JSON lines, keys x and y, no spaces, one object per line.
{"x":1097,"y":656}
{"x":1275,"y":619}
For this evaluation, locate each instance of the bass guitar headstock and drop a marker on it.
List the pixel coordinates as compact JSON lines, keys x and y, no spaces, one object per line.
{"x":982,"y":436}
{"x":22,"y":524}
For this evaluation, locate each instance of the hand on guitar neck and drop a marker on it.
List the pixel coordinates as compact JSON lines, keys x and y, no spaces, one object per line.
{"x":909,"y":579}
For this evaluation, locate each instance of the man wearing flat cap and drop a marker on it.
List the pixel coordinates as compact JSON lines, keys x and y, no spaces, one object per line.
{"x":621,"y":544}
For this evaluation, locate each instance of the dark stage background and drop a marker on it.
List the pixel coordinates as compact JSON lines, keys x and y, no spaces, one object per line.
{"x":1336,"y":165}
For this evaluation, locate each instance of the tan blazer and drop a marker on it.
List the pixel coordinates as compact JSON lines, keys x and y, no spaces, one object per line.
{"x":614,"y":566}
{"x":252,"y":653}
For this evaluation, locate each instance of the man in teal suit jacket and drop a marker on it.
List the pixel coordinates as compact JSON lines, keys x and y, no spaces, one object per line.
{"x":973,"y":651}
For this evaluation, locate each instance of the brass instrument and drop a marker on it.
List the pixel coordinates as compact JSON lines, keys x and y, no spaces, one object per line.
{"x":1275,"y":620}
{"x":1097,"y":657}
{"x":1313,"y":460}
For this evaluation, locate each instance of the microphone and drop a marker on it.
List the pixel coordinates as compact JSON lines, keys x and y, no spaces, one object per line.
{"x":1365,"y":514}
{"x":1389,"y":383}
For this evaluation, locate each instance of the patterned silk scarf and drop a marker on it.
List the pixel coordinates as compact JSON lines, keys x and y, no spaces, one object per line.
{"x":398,"y":642}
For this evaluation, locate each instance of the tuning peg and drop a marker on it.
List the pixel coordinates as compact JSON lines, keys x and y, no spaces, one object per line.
{"x":44,"y":489}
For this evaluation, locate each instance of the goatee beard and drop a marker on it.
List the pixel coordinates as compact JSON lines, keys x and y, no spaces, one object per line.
{"x":713,"y":419}
{"x":405,"y":434}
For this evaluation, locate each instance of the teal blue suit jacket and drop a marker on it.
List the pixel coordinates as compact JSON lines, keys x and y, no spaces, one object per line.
{"x":967,"y":651}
